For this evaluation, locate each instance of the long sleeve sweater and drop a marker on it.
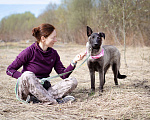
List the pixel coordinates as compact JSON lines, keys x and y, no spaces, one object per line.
{"x":40,"y":62}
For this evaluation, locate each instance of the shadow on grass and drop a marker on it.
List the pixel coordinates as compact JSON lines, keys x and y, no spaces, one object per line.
{"x":84,"y":94}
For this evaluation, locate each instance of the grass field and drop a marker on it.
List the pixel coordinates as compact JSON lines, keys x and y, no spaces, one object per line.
{"x":129,"y":100}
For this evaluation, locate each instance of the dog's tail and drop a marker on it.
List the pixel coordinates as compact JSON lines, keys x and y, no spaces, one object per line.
{"x":121,"y":76}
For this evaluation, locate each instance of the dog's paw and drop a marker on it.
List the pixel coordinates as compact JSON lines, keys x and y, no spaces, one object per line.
{"x":92,"y":92}
{"x":100,"y":92}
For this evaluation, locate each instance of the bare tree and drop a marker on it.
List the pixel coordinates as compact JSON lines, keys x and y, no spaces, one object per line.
{"x":124,"y":31}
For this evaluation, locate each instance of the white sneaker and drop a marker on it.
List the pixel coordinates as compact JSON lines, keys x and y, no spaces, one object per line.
{"x":65,"y":99}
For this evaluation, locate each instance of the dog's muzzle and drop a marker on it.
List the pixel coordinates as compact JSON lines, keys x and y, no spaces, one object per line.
{"x":96,"y":46}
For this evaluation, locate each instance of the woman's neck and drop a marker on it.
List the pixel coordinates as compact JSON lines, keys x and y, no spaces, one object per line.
{"x":42,"y":46}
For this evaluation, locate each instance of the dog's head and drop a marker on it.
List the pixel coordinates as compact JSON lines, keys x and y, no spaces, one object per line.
{"x":95,"y":39}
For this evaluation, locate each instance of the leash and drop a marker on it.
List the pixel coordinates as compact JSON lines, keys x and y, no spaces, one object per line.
{"x":48,"y":78}
{"x":59,"y":75}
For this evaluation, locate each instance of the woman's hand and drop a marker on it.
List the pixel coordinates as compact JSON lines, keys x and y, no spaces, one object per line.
{"x":79,"y":57}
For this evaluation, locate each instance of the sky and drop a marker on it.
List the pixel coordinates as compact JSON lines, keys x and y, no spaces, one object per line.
{"x":29,"y":1}
{"x":36,"y":7}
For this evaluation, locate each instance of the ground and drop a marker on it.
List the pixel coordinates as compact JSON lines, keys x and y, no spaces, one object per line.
{"x":129,"y":100}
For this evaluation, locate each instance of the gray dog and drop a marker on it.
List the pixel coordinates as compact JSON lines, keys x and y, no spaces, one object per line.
{"x":101,"y":58}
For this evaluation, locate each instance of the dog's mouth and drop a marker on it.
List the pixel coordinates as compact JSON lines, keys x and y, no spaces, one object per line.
{"x":96,"y":46}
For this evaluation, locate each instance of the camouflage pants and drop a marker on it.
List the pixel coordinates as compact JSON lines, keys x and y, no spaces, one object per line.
{"x":29,"y":84}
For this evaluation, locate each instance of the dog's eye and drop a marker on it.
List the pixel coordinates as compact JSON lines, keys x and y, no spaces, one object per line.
{"x":93,"y":37}
{"x":98,"y":38}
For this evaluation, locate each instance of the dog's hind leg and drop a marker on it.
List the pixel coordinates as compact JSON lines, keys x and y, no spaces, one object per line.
{"x":105,"y":71}
{"x":115,"y":71}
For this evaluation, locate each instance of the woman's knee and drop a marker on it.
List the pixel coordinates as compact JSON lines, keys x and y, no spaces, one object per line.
{"x":74,"y":82}
{"x":27,"y":75}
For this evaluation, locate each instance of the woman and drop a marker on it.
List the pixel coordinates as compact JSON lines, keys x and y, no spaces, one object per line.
{"x":37,"y":61}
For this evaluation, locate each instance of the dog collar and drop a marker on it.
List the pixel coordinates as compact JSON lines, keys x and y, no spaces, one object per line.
{"x":98,"y":56}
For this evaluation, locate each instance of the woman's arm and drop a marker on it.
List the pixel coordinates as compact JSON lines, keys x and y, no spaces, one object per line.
{"x":59,"y":68}
{"x":20,"y":60}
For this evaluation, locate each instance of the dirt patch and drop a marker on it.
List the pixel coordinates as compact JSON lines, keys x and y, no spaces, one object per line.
{"x":129,"y":100}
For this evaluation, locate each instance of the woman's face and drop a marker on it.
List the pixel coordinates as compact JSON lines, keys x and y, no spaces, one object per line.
{"x":51,"y":39}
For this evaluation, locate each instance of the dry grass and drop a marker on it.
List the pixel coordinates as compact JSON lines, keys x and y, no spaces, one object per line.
{"x":129,"y":100}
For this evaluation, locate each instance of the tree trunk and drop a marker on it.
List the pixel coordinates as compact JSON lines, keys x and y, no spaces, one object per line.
{"x":124,"y":32}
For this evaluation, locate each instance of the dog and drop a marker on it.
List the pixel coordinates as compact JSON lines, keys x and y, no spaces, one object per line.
{"x":101,"y":58}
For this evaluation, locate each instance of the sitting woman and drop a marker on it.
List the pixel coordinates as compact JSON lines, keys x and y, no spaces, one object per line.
{"x":38,"y":60}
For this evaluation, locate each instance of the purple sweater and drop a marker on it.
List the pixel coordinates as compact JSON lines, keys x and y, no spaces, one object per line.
{"x":40,"y":62}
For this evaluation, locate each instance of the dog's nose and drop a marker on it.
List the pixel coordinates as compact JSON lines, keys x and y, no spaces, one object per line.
{"x":96,"y":45}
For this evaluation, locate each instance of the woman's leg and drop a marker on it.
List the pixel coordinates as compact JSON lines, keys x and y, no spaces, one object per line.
{"x":29,"y":84}
{"x":63,"y":87}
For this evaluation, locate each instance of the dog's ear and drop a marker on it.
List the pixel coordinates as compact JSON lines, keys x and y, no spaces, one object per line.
{"x":102,"y":34}
{"x":89,"y":31}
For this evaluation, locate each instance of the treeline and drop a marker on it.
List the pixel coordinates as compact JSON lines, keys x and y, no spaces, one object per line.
{"x":123,"y":21}
{"x":17,"y":27}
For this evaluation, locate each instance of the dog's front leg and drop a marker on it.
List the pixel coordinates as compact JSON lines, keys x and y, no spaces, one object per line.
{"x":92,"y":75}
{"x":101,"y":78}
